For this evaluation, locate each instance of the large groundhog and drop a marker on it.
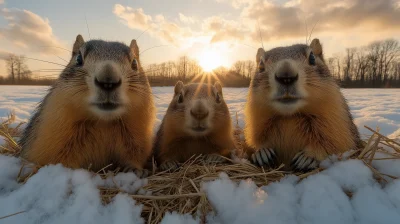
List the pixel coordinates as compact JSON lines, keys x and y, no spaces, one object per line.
{"x":197,"y":122}
{"x":100,"y":111}
{"x":295,"y":112}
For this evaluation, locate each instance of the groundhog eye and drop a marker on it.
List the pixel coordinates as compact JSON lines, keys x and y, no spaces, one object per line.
{"x":217,"y":98}
{"x":134,"y":65}
{"x":261,"y":66}
{"x":311,"y":58}
{"x":180,"y":98}
{"x":79,"y":59}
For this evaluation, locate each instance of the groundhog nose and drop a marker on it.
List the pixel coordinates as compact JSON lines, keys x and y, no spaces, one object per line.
{"x":199,"y":114}
{"x":107,"y":84}
{"x":286,"y":78}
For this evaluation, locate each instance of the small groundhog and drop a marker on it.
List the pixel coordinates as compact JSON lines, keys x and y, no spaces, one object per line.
{"x":197,"y":122}
{"x":295,"y":113}
{"x":100,"y":111}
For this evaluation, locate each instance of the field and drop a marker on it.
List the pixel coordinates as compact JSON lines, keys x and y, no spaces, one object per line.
{"x":345,"y":192}
{"x":372,"y":107}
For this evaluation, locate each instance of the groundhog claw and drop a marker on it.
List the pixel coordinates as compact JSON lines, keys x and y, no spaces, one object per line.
{"x":264,"y":157}
{"x":169,"y":165}
{"x":303,"y":163}
{"x":214,"y":158}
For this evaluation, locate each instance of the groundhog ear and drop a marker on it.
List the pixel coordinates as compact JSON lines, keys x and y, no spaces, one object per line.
{"x":78,"y":44}
{"x":218,"y":86}
{"x":178,"y":87}
{"x":260,"y":53}
{"x":135,"y":48}
{"x":316,"y":47}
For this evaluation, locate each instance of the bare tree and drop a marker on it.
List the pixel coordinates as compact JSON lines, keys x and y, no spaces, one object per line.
{"x":182,"y":67}
{"x":239,"y":67}
{"x":17,"y":68}
{"x":250,"y":67}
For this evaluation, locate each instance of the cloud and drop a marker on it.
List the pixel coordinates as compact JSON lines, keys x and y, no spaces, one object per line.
{"x":186,"y":19}
{"x":1,"y":1}
{"x":159,"y":26}
{"x":224,"y":30}
{"x":133,"y":18}
{"x":283,"y":20}
{"x":351,"y":22}
{"x":236,"y":3}
{"x":4,"y":55}
{"x":288,"y":20}
{"x":29,"y":31}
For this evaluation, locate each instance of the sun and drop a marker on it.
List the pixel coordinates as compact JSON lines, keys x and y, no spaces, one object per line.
{"x":210,"y":60}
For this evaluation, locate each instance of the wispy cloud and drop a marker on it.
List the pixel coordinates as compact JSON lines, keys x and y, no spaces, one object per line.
{"x":224,"y":30}
{"x":186,"y":19}
{"x":29,"y":31}
{"x":288,"y":20}
{"x":4,"y":55}
{"x":236,"y":3}
{"x":159,"y":26}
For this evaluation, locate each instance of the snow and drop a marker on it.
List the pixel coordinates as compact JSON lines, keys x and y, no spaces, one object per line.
{"x":59,"y":195}
{"x":318,"y":199}
{"x":2,"y":140}
{"x":371,"y":107}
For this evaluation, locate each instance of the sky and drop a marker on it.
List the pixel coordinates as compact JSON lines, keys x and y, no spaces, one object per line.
{"x":222,"y":30}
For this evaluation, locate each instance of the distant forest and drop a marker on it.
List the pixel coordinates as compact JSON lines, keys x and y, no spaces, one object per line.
{"x":376,"y":65}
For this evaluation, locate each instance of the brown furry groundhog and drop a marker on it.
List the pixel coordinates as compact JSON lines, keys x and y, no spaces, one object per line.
{"x":99,"y":111}
{"x":197,"y":122}
{"x":295,"y":112}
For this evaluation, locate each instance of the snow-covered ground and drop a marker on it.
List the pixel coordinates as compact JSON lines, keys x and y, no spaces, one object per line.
{"x":59,"y":195}
{"x":371,"y":107}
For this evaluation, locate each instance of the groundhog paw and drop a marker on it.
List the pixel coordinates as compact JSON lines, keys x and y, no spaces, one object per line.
{"x":214,"y":158}
{"x":169,"y":165}
{"x":264,"y":157}
{"x":303,"y":163}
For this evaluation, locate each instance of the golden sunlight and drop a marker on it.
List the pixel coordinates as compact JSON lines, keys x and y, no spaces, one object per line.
{"x":210,"y":60}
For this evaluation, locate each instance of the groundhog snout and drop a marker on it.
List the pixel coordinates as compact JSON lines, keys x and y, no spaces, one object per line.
{"x":199,"y":112}
{"x":286,"y":74}
{"x":108,"y":79}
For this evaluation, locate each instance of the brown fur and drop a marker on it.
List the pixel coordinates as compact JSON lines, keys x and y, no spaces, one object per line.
{"x":63,"y":130}
{"x":173,"y":143}
{"x":322,"y":127}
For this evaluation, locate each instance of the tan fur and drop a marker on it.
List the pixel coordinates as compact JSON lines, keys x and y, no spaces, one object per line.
{"x":173,"y":143}
{"x":321,"y":127}
{"x":67,"y":132}
{"x":329,"y":134}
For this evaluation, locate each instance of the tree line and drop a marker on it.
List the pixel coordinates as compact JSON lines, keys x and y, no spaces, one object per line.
{"x":376,"y":65}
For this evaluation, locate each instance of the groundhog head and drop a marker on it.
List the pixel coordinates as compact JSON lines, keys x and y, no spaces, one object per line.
{"x":103,"y":77}
{"x":288,"y":79}
{"x":197,"y":109}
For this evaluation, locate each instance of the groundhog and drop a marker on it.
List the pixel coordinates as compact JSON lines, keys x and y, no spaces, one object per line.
{"x":296,"y":113}
{"x":197,"y":121}
{"x":100,"y":111}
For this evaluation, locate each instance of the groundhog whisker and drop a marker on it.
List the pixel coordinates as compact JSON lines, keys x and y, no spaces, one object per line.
{"x":58,"y":48}
{"x":139,"y":90}
{"x":54,"y":63}
{"x":105,"y":105}
{"x":306,"y":128}
{"x":155,"y":47}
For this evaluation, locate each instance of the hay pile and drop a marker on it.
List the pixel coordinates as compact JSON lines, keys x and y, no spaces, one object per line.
{"x":181,"y":191}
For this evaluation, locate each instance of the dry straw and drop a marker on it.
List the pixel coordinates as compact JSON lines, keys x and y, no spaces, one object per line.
{"x":181,"y":190}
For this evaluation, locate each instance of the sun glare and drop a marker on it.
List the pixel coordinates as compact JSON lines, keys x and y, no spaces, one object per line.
{"x":210,"y":60}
